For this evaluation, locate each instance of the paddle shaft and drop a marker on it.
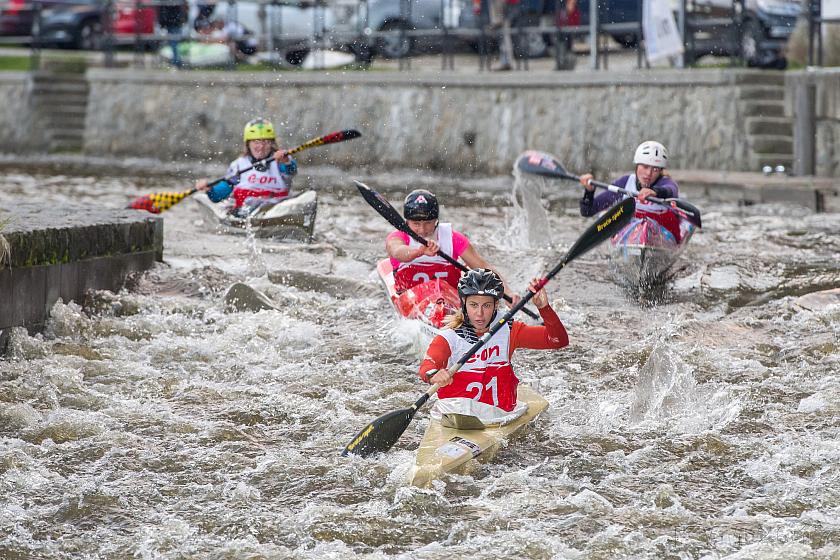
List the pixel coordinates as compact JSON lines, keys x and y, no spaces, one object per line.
{"x":546,"y":165}
{"x":381,"y":434}
{"x":319,"y":141}
{"x":378,"y":202}
{"x":613,"y":188}
{"x":460,"y":266}
{"x":618,"y":215}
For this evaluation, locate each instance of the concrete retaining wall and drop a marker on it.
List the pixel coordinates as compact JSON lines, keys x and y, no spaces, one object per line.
{"x":827,"y":81}
{"x":18,"y":119}
{"x":460,"y":123}
{"x":63,"y":252}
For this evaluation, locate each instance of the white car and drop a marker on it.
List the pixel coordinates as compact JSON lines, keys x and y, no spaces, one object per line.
{"x":288,"y":29}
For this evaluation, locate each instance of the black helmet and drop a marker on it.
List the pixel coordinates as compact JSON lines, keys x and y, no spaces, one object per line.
{"x":480,"y":282}
{"x":421,"y":205}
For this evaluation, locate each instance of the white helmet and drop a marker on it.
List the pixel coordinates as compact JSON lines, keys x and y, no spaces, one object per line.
{"x":651,"y":153}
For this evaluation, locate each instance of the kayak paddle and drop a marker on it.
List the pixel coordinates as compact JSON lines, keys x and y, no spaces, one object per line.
{"x":395,"y":219}
{"x":546,"y":165}
{"x":381,"y":434}
{"x":161,"y":201}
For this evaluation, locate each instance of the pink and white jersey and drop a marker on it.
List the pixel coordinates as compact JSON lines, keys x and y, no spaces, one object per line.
{"x":426,"y":268}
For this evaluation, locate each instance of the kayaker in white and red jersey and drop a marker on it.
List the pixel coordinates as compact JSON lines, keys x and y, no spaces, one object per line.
{"x":414,"y":263}
{"x":649,"y":179}
{"x":264,"y":184}
{"x":485,"y":387}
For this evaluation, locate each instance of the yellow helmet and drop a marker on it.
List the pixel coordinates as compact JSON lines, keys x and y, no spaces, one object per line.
{"x":259,"y":129}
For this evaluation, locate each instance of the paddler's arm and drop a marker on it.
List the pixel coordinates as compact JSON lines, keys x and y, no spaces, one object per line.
{"x":590,"y":204}
{"x":219,"y":191}
{"x":551,"y":335}
{"x":665,"y":187}
{"x":397,"y":248}
{"x":433,"y":367}
{"x":285,"y":163}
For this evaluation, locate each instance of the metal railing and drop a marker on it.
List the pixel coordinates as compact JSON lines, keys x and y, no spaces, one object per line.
{"x":815,"y":31}
{"x":354,"y":27}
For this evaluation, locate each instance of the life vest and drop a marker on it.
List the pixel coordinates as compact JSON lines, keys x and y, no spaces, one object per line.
{"x":662,"y":215}
{"x":487,"y":377}
{"x":425,"y":268}
{"x":271,"y":183}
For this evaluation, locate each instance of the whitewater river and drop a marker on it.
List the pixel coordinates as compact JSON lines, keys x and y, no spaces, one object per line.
{"x":154,"y":423}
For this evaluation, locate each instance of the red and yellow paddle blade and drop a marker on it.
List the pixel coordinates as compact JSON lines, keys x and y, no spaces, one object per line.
{"x":331,"y":138}
{"x":159,"y":201}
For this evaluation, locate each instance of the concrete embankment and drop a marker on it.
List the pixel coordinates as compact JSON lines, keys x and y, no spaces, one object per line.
{"x":720,"y":119}
{"x":63,"y":252}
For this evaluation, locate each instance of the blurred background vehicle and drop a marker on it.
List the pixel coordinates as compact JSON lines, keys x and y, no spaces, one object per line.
{"x":81,"y":24}
{"x":72,"y":23}
{"x":766,"y":26}
{"x":289,"y":28}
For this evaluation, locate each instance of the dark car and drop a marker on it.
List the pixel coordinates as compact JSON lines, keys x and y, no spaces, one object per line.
{"x":80,"y":23}
{"x":386,"y":20}
{"x":766,"y":26}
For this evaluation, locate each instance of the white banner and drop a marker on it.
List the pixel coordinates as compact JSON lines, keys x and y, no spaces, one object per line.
{"x":662,"y":38}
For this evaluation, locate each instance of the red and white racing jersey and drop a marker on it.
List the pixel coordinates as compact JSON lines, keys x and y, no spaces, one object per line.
{"x":271,"y":183}
{"x":426,"y":268}
{"x":487,"y":376}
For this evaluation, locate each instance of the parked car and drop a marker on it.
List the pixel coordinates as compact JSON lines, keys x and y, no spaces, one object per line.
{"x":767,"y":24}
{"x":72,"y":23}
{"x":16,"y":18}
{"x":766,"y":27}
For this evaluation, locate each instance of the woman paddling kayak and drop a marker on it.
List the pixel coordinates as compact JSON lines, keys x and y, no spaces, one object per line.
{"x":485,"y":387}
{"x":413,"y":263}
{"x":648,"y":179}
{"x":266,"y":183}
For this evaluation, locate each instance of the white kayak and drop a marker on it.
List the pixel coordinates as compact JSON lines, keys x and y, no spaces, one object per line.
{"x":197,"y":54}
{"x":291,"y":219}
{"x":444,"y":450}
{"x":426,"y":305}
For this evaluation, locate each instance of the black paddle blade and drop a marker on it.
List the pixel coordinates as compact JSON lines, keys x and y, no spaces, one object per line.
{"x":541,"y":163}
{"x":381,"y":434}
{"x":378,"y":202}
{"x":605,"y":227}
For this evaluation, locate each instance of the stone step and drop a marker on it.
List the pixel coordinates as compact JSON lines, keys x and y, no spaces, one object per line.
{"x":759,"y":77}
{"x":757,"y":161}
{"x":782,"y":126}
{"x":59,"y":110}
{"x":767,"y":108}
{"x":770,"y":144}
{"x":47,"y":86}
{"x":67,"y":123}
{"x":774,"y":93}
{"x":61,"y":99}
{"x":62,"y":134}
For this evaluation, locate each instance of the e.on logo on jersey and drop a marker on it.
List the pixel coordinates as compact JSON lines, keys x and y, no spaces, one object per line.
{"x":484,"y":355}
{"x":255,"y":179}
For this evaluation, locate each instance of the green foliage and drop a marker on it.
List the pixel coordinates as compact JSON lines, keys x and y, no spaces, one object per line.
{"x":14,"y":63}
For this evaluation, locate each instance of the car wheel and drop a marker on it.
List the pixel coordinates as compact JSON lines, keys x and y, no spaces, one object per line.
{"x":394,"y":46}
{"x":628,"y":41}
{"x":296,"y":57}
{"x":89,"y":36}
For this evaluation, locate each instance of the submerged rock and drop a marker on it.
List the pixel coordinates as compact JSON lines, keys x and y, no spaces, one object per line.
{"x":242,"y":297}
